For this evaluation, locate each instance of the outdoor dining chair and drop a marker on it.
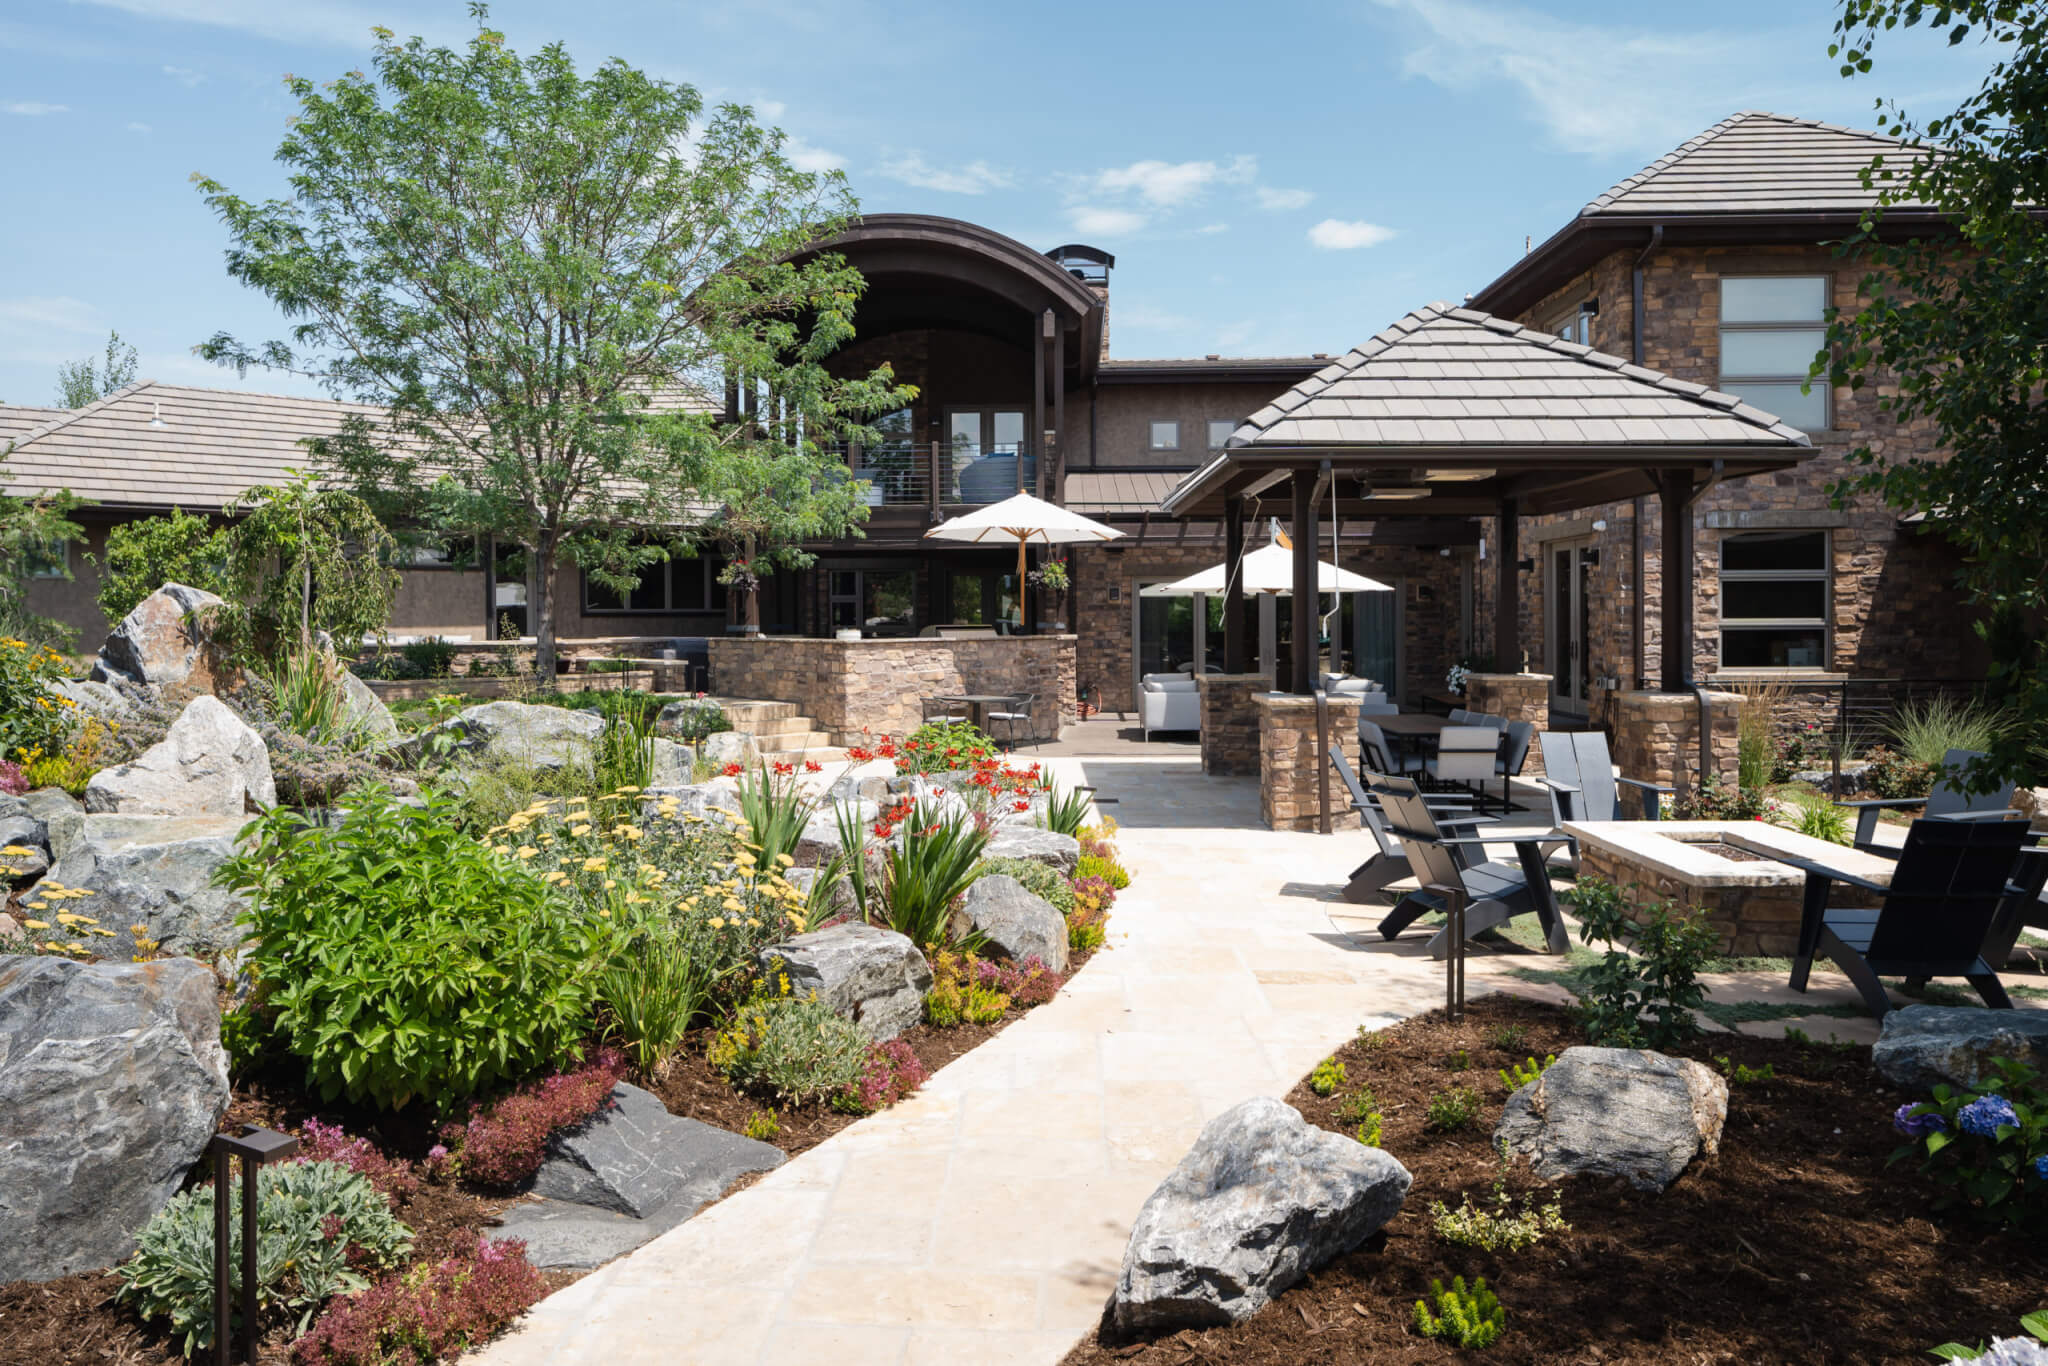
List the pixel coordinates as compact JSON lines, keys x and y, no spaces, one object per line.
{"x":943,"y":711}
{"x":1946,"y":802}
{"x":1514,"y":752}
{"x":1465,"y":757}
{"x":1376,"y":754}
{"x":1015,"y":719}
{"x":1495,"y":892}
{"x":1946,"y":911}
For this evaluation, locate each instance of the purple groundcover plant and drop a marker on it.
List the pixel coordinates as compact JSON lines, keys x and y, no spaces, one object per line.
{"x":1983,"y":1115}
{"x":1916,"y":1125}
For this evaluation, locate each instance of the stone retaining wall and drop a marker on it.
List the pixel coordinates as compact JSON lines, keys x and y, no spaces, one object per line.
{"x":1519,"y":697}
{"x":1657,"y":737}
{"x":1290,"y":795}
{"x":1230,"y":722}
{"x":847,"y":685}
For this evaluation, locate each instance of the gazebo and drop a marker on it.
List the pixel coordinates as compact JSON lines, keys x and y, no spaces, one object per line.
{"x":1451,"y":412}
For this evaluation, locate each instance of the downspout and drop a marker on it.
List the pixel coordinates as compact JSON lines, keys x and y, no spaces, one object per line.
{"x":1636,"y":347}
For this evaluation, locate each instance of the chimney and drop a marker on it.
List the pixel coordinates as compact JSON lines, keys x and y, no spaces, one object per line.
{"x":1091,"y":266}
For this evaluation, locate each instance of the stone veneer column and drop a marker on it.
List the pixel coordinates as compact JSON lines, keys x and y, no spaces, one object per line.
{"x":1289,"y":793}
{"x":1657,"y":737}
{"x":1230,"y":722}
{"x":1519,"y":697}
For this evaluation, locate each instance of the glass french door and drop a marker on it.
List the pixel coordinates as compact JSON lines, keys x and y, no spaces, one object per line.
{"x":1567,"y":652}
{"x":875,"y":602}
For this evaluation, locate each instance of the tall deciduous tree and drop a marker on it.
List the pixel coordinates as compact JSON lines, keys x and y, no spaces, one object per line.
{"x":525,"y":266}
{"x":1954,"y":328}
{"x":80,"y":382}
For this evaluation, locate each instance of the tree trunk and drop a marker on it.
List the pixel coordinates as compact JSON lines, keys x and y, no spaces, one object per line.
{"x":541,"y":608}
{"x":750,"y":603}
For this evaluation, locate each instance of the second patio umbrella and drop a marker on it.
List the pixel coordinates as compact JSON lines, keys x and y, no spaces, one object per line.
{"x":1025,"y":520}
{"x":1269,"y":569}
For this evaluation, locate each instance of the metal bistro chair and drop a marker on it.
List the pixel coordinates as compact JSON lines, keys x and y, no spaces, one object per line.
{"x":942,"y":712}
{"x":1015,"y":718}
{"x":1946,"y":802}
{"x":1944,"y":914}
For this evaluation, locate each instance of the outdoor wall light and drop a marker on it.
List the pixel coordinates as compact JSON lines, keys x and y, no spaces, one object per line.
{"x":255,"y":1146}
{"x":1527,"y":565}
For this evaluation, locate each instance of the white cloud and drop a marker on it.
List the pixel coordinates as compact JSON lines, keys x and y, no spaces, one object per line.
{"x":318,"y":21}
{"x":771,"y":110}
{"x":1337,"y":234}
{"x":1169,"y":183}
{"x":1091,"y":218}
{"x":1276,"y":200}
{"x":1146,"y":318}
{"x":48,"y":313}
{"x":1608,"y":90}
{"x":807,"y":156}
{"x":138,"y":128}
{"x":185,"y":75}
{"x":976,"y":177}
{"x":1211,"y":229}
{"x":34,"y":109}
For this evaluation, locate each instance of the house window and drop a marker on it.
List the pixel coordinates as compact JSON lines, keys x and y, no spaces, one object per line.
{"x":678,"y":584}
{"x":1772,"y":327}
{"x":50,"y":561}
{"x":1577,"y":325}
{"x":1219,"y":433}
{"x":1774,"y":600}
{"x":1165,"y":436}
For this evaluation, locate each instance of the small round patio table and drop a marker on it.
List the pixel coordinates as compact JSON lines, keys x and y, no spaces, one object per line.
{"x":977,"y":704}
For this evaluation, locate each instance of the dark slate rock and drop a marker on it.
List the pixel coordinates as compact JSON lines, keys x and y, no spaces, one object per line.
{"x":1623,"y":1112}
{"x":635,"y":1158}
{"x":562,"y":1236}
{"x":1921,"y":1046}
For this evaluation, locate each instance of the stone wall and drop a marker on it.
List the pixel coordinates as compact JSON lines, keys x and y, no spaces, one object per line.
{"x":1290,"y":793}
{"x":846,"y":686}
{"x":1752,"y":921}
{"x":1519,"y":697}
{"x":1230,"y":722}
{"x":1657,"y":737}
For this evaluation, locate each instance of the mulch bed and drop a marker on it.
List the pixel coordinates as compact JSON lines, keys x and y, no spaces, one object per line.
{"x":1795,"y":1244}
{"x":73,"y":1320}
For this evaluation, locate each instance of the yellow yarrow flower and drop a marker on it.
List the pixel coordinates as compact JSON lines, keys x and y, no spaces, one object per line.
{"x":593,"y":865}
{"x":715,"y":923}
{"x":526,"y":851}
{"x":36,"y":924}
{"x":554,"y":875}
{"x":580,"y":831}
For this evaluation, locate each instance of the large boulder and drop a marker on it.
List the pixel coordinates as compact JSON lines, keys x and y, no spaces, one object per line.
{"x":731,"y":747}
{"x":366,"y":711}
{"x":513,"y":732}
{"x":1014,"y":840}
{"x":1623,"y":1112}
{"x":1260,"y":1201}
{"x":865,"y":782}
{"x":112,"y":1079}
{"x":210,"y":763}
{"x":92,"y":699}
{"x":660,"y":802}
{"x":674,"y":764}
{"x":24,"y":849}
{"x":1012,"y":922}
{"x":155,"y":873}
{"x":872,"y":976}
{"x":1920,"y":1046}
{"x":163,"y":644}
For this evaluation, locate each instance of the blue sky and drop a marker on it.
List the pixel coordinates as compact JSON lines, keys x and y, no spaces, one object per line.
{"x":1273,"y":179}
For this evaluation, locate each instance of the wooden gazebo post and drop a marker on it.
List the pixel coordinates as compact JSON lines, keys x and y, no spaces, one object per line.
{"x":1233,"y":586}
{"x":1302,"y":618}
{"x":1674,"y":496}
{"x":1507,"y":606}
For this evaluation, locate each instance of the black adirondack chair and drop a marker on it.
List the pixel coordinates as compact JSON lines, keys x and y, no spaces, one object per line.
{"x":1579,"y":773}
{"x":1945,"y":802}
{"x":1946,"y":912}
{"x":1388,"y":863}
{"x":1495,"y":892}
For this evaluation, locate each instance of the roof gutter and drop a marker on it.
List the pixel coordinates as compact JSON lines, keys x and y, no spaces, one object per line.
{"x":1636,"y":510}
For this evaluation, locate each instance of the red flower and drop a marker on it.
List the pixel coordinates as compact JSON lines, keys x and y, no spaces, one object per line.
{"x":732,"y":770}
{"x":784,"y":769}
{"x":1023,"y":806}
{"x":859,"y":755}
{"x":813,"y":766}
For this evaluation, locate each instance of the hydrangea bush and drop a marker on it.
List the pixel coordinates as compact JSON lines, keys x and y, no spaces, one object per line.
{"x":1987,"y":1149}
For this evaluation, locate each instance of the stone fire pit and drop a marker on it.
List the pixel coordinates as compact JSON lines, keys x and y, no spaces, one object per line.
{"x":1727,"y":869}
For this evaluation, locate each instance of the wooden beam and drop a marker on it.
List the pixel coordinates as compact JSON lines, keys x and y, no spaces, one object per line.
{"x":1234,"y":601}
{"x":1507,"y":610}
{"x":1674,"y":495}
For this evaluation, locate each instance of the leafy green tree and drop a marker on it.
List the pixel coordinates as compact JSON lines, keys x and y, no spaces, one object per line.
{"x":1953,"y":326}
{"x":526,"y":267}
{"x":149,"y":552}
{"x":302,"y":559}
{"x":80,"y":382}
{"x":34,"y":532}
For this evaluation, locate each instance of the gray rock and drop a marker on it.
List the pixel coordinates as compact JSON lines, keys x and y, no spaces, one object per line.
{"x":545,"y":737}
{"x":157,"y":873}
{"x":819,"y":843}
{"x":673,"y":764}
{"x":562,"y":1236}
{"x":26,"y":834}
{"x":162,"y":644}
{"x":731,"y":747}
{"x":1260,"y":1201}
{"x":112,"y":1079}
{"x":19,"y":827}
{"x":1042,"y":846}
{"x":1623,"y":1112}
{"x":634,"y":1157}
{"x":872,"y":976}
{"x":1920,"y":1046}
{"x":867,"y":782}
{"x":693,"y":799}
{"x":366,"y":712}
{"x":93,"y":699}
{"x":210,"y":763}
{"x":1013,"y":923}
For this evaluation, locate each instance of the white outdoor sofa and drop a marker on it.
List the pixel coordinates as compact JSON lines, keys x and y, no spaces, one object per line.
{"x":1169,"y":702}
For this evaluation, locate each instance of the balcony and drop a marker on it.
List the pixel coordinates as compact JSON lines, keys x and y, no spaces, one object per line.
{"x":939,"y":474}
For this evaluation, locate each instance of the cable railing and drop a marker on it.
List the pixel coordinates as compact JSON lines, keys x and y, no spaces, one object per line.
{"x":939,"y":474}
{"x":1850,"y":715}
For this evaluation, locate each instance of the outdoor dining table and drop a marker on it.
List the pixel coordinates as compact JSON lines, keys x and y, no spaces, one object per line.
{"x":977,"y":704}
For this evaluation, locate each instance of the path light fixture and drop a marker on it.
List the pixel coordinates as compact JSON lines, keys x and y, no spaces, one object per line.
{"x":256,"y":1146}
{"x":1454,"y":952}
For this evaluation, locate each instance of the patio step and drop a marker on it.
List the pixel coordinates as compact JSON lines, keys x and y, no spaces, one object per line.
{"x":794,"y":742}
{"x":775,"y":727}
{"x":750,"y":716}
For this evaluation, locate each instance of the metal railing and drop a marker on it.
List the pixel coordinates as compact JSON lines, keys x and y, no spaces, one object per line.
{"x":936,"y":474}
{"x":1850,"y":715}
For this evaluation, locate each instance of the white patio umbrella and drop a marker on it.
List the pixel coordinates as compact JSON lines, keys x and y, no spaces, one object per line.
{"x":1025,"y":520}
{"x":1269,"y":569}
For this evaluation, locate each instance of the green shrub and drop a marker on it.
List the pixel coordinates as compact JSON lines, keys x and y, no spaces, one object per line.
{"x":793,"y":1048}
{"x":494,"y":791}
{"x":432,"y":656}
{"x":33,"y":722}
{"x":1454,"y":1109}
{"x":144,"y":555}
{"x":697,"y":720}
{"x":1363,"y":1110}
{"x":937,"y":748}
{"x":935,"y":860}
{"x":1925,"y":732}
{"x":1892,"y":775}
{"x":1327,"y":1077}
{"x":1508,"y":1038}
{"x":1522,"y":1073}
{"x":401,"y":960}
{"x":777,"y":808}
{"x":1108,"y":869}
{"x":1039,"y":879}
{"x":300,"y":1264}
{"x":1815,"y":816}
{"x":623,"y":757}
{"x":1645,"y":998}
{"x":1066,"y":810}
{"x":1986,"y":1147}
{"x":1498,"y":1226}
{"x":958,"y":996}
{"x":1714,"y":800}
{"x":1742,"y":1074}
{"x":1464,"y":1318}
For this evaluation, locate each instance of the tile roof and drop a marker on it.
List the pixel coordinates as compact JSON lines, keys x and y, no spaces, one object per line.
{"x":1105,"y":491}
{"x":19,"y":419}
{"x":1450,"y":377}
{"x":1753,"y":163}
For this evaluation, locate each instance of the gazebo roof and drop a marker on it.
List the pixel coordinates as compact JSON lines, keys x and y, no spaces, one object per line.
{"x":1449,"y":410}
